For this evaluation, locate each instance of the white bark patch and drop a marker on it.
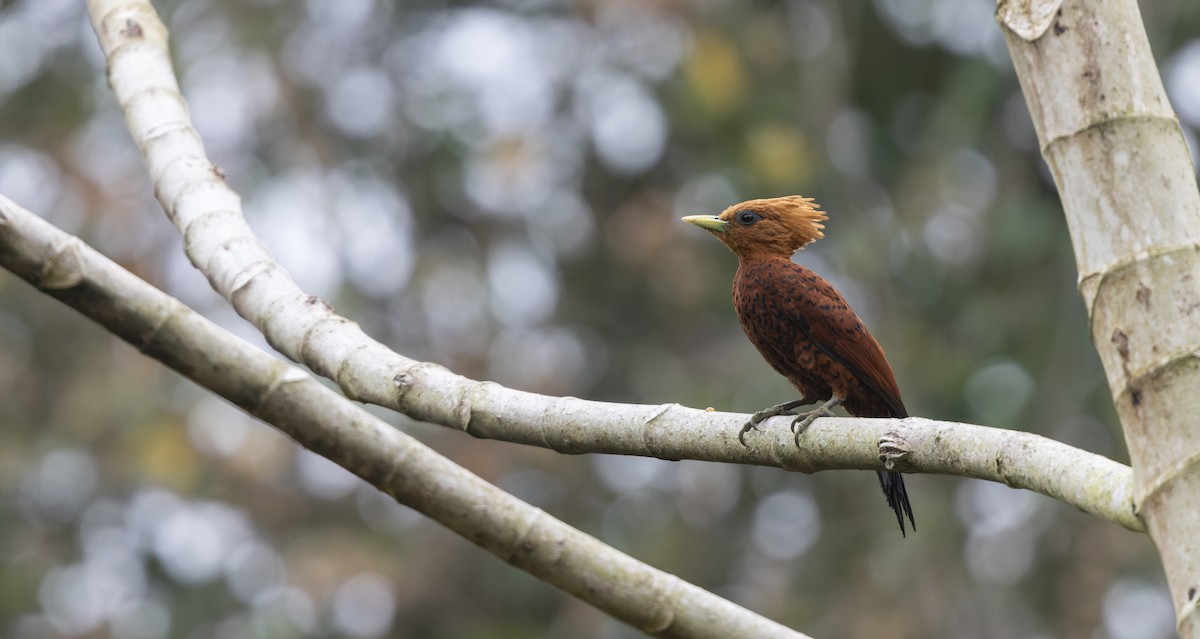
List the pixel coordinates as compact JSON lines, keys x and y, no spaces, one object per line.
{"x":1029,"y":19}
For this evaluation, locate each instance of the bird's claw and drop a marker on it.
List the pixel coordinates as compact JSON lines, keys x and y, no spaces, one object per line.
{"x":751,"y":424}
{"x":786,"y":408}
{"x":767,"y":413}
{"x":804,"y":420}
{"x":747,"y":427}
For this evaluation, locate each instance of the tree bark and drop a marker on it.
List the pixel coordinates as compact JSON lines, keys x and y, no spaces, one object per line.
{"x":1129,"y":193}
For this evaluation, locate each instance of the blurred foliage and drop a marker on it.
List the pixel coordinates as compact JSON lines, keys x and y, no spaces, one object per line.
{"x":497,"y":188}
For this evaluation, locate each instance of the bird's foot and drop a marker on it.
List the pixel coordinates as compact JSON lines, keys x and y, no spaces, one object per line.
{"x":786,"y":408}
{"x":804,"y":420}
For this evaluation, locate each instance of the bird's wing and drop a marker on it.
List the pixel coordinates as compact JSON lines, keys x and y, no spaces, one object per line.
{"x":829,"y":323}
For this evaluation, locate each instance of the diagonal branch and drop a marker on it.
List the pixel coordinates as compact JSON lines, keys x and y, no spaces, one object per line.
{"x":655,"y":602}
{"x":219,"y":242}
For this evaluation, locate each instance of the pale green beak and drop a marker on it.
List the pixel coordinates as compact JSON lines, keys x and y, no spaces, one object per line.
{"x":707,"y":222}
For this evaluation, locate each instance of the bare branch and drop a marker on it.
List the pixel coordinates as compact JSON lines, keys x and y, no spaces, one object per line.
{"x":306,"y":329}
{"x":1087,"y":481}
{"x":655,"y":602}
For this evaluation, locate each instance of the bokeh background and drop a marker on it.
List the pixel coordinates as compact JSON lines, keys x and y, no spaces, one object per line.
{"x":496,"y":188}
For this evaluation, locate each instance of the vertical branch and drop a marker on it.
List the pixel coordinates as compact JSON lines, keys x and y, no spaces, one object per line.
{"x":1129,"y":193}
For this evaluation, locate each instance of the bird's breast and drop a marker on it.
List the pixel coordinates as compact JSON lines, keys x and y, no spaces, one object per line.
{"x":771,"y":305}
{"x":808,"y":333}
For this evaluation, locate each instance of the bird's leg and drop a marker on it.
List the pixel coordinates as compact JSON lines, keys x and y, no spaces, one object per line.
{"x":802,"y":421}
{"x":786,"y":408}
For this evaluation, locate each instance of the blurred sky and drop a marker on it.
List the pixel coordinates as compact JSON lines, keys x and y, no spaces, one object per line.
{"x":496,"y":188}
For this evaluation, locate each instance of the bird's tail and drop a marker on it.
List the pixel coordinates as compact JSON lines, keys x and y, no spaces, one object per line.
{"x":897,"y":498}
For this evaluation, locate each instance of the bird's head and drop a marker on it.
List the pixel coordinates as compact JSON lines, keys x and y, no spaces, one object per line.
{"x":765,"y":228}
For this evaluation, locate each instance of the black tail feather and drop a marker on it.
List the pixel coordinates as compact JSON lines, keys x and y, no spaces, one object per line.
{"x":897,"y":498}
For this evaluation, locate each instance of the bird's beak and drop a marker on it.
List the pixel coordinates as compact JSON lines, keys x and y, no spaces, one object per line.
{"x":708,"y":222}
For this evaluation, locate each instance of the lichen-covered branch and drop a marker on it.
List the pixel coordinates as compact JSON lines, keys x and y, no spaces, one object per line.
{"x":1129,"y":193}
{"x":648,"y":599}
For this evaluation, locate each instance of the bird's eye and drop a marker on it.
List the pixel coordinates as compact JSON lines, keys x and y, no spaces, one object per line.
{"x":746,"y":218}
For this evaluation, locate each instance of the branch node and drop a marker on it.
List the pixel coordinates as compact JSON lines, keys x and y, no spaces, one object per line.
{"x":64,"y":269}
{"x":648,"y":438}
{"x":525,"y":545}
{"x":661,"y":614}
{"x":893,"y":447}
{"x":313,"y":300}
{"x":408,"y":379}
{"x":132,"y":29}
{"x":1030,"y":19}
{"x":464,"y":408}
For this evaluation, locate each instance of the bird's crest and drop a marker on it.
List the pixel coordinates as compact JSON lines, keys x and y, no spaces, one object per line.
{"x":802,"y":216}
{"x":772,"y":226}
